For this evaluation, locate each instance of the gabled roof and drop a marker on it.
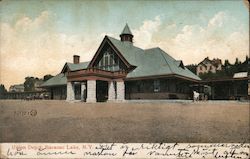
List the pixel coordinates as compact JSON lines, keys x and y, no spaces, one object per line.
{"x":107,"y":40}
{"x":202,"y":64}
{"x":80,"y":66}
{"x":61,"y":78}
{"x":126,"y":30}
{"x":75,"y":67}
{"x":214,"y":62}
{"x":58,"y":80}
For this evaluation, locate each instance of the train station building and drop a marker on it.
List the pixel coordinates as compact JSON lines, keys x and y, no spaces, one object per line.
{"x":121,"y":71}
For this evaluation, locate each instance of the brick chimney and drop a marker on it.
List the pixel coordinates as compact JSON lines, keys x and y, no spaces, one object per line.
{"x":76,"y":59}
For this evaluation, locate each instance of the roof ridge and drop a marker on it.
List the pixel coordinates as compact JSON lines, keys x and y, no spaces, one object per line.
{"x":123,"y":43}
{"x":77,"y":63}
{"x":151,"y":48}
{"x":84,"y":62}
{"x":166,"y":60}
{"x":111,"y":37}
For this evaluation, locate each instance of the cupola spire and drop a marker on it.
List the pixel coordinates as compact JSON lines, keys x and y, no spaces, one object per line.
{"x":126,"y":34}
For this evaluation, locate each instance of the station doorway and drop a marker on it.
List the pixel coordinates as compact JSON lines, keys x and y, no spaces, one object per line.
{"x":101,"y":91}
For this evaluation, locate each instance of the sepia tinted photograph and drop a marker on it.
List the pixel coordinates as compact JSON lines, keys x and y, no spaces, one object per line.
{"x":113,"y":71}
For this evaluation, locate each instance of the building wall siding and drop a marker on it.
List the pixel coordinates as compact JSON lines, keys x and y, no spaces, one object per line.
{"x":158,"y":95}
{"x":169,"y":89}
{"x":58,"y":93}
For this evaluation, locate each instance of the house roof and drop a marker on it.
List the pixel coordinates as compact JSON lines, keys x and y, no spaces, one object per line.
{"x":129,"y":52}
{"x":75,"y":67}
{"x":80,"y":66}
{"x":126,"y":30}
{"x":150,"y":62}
{"x":61,"y":78}
{"x":214,"y":62}
{"x":57,"y":80}
{"x":18,"y":86}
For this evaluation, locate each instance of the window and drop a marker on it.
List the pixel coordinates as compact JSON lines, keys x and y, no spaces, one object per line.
{"x":105,"y":56}
{"x":109,"y":61}
{"x":140,"y":85}
{"x":102,"y":62}
{"x":156,"y":85}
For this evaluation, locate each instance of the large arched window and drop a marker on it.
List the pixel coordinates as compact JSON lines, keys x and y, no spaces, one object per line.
{"x":109,"y":61}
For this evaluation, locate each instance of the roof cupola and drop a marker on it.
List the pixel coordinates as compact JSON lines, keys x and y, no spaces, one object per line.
{"x":126,"y":34}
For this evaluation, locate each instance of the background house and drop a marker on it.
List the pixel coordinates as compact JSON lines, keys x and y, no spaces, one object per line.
{"x":16,"y":88}
{"x":208,"y":65}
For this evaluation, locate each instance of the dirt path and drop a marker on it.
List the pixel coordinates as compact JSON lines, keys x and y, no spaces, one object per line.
{"x":60,"y":121}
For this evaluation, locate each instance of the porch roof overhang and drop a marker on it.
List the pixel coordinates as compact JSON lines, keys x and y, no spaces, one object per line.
{"x":96,"y":74}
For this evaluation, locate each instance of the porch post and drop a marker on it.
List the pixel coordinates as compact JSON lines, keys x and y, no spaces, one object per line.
{"x":120,"y":90}
{"x":70,"y":91}
{"x":111,"y":91}
{"x":83,"y":87}
{"x":91,"y":91}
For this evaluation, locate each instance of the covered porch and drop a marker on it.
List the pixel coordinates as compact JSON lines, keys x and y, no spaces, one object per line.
{"x":95,"y":85}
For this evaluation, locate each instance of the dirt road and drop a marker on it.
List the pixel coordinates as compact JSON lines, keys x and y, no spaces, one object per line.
{"x":60,"y":121}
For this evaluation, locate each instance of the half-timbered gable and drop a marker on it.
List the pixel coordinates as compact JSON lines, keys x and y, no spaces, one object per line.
{"x":109,"y":60}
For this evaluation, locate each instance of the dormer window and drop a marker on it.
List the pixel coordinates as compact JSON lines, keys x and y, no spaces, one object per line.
{"x":180,"y":64}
